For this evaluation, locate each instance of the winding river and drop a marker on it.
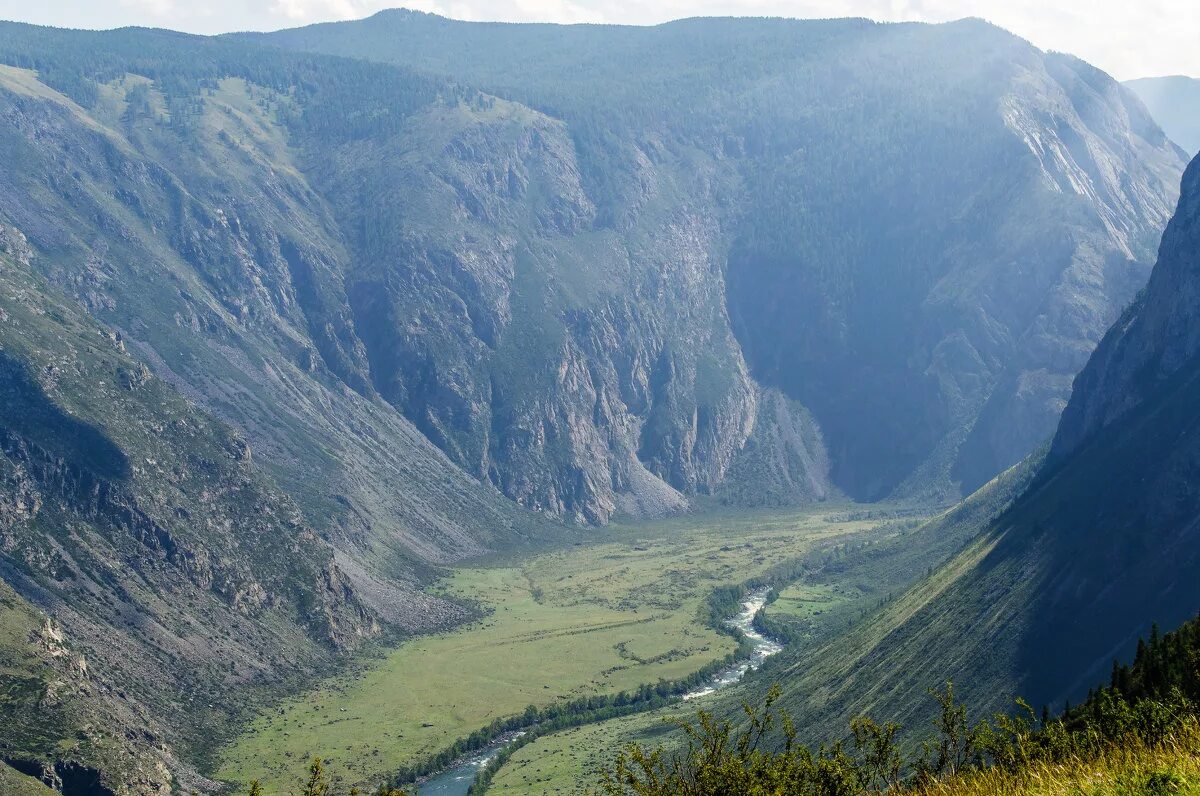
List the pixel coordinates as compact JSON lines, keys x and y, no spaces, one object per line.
{"x":457,"y":780}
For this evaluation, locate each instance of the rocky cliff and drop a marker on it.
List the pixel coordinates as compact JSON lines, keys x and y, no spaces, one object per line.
{"x":157,"y":551}
{"x":1077,"y":552}
{"x":919,"y":232}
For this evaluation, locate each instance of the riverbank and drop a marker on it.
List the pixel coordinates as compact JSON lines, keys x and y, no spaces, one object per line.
{"x":754,"y":649}
{"x":587,"y":621}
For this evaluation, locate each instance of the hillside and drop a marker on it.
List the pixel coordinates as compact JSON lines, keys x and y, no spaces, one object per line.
{"x":148,"y":565}
{"x":176,"y":212}
{"x":1073,"y":568}
{"x":1135,"y":735}
{"x":1174,"y":102}
{"x":930,"y":319}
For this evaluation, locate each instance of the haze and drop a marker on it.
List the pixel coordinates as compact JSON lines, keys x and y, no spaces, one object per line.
{"x":1129,"y":40}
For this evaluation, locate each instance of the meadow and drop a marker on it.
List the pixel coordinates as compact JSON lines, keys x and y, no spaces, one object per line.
{"x":823,"y":601}
{"x":594,"y":618}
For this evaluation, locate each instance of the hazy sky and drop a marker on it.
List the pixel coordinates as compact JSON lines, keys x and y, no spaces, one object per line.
{"x":1128,"y":38}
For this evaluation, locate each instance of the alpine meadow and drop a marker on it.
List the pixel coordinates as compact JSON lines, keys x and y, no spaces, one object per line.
{"x":731,"y":406}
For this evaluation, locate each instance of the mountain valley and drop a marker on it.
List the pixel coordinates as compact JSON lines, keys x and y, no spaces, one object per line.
{"x":381,"y":391}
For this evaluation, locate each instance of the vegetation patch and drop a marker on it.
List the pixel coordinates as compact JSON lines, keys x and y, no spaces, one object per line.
{"x":556,"y":628}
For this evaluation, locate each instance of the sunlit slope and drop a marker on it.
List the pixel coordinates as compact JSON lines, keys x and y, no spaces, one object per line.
{"x":223,"y":279}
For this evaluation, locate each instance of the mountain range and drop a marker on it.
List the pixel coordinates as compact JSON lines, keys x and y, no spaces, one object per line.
{"x":874,"y":234}
{"x":283,"y":330}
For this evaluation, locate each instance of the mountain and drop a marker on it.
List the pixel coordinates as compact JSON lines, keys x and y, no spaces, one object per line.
{"x":1085,"y":547}
{"x":772,"y":284}
{"x":1174,"y":102}
{"x":147,"y":565}
{"x":201,"y":499}
{"x":929,"y":317}
{"x":284,"y":332}
{"x":177,"y":213}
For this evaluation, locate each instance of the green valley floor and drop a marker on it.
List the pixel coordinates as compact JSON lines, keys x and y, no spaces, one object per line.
{"x":594,"y":618}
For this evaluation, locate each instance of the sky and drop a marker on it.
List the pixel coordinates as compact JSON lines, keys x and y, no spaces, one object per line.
{"x":1127,"y":38}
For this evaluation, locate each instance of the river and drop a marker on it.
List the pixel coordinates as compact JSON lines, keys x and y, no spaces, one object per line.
{"x":457,"y":780}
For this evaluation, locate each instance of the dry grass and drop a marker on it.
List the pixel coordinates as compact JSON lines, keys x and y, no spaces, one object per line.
{"x":1131,"y":769}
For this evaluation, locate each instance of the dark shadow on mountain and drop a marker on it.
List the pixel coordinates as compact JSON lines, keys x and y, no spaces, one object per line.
{"x":26,"y":412}
{"x":72,"y":778}
{"x":1115,"y":529}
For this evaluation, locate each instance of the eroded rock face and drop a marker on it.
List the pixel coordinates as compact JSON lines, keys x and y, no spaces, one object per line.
{"x":545,"y":355}
{"x":923,"y":230}
{"x":1156,"y":336}
{"x":160,"y":554}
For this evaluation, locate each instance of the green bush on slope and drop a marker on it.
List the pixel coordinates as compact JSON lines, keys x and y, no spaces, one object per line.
{"x":1140,"y":734}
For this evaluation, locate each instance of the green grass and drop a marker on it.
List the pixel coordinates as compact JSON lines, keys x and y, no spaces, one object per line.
{"x":568,"y":762}
{"x":825,"y":605}
{"x":1130,"y":768}
{"x":809,"y":601}
{"x":592,"y":619}
{"x":14,"y":783}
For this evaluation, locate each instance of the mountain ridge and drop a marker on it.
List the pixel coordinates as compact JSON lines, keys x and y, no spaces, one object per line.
{"x":1075,"y":553}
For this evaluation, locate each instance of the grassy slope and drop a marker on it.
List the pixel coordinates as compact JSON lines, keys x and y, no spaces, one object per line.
{"x":39,"y":705}
{"x":14,"y":783}
{"x":1130,"y":769}
{"x":1072,"y":565}
{"x":871,"y":668}
{"x":585,"y":620}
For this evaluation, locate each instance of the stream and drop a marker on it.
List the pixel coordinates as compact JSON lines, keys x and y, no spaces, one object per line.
{"x":457,"y":780}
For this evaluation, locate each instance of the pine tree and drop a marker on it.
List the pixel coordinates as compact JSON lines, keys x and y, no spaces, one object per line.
{"x":318,"y":782}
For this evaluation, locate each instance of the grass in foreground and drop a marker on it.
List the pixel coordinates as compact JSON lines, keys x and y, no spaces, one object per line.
{"x":1140,"y":734}
{"x":1134,"y":769}
{"x":1111,"y":748}
{"x":594,"y":619}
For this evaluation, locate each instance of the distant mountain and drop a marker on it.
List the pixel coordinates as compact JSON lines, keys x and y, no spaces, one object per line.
{"x":1174,"y":102}
{"x":922,"y":255}
{"x":1084,"y":548}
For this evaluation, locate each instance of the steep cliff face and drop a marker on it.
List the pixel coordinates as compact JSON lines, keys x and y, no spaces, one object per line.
{"x":1157,"y":337}
{"x":922,"y":230}
{"x":1079,"y":551}
{"x":143,"y":529}
{"x":543,"y":354}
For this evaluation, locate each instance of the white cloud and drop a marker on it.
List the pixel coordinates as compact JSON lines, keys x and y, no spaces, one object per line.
{"x":305,"y":11}
{"x":155,"y":8}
